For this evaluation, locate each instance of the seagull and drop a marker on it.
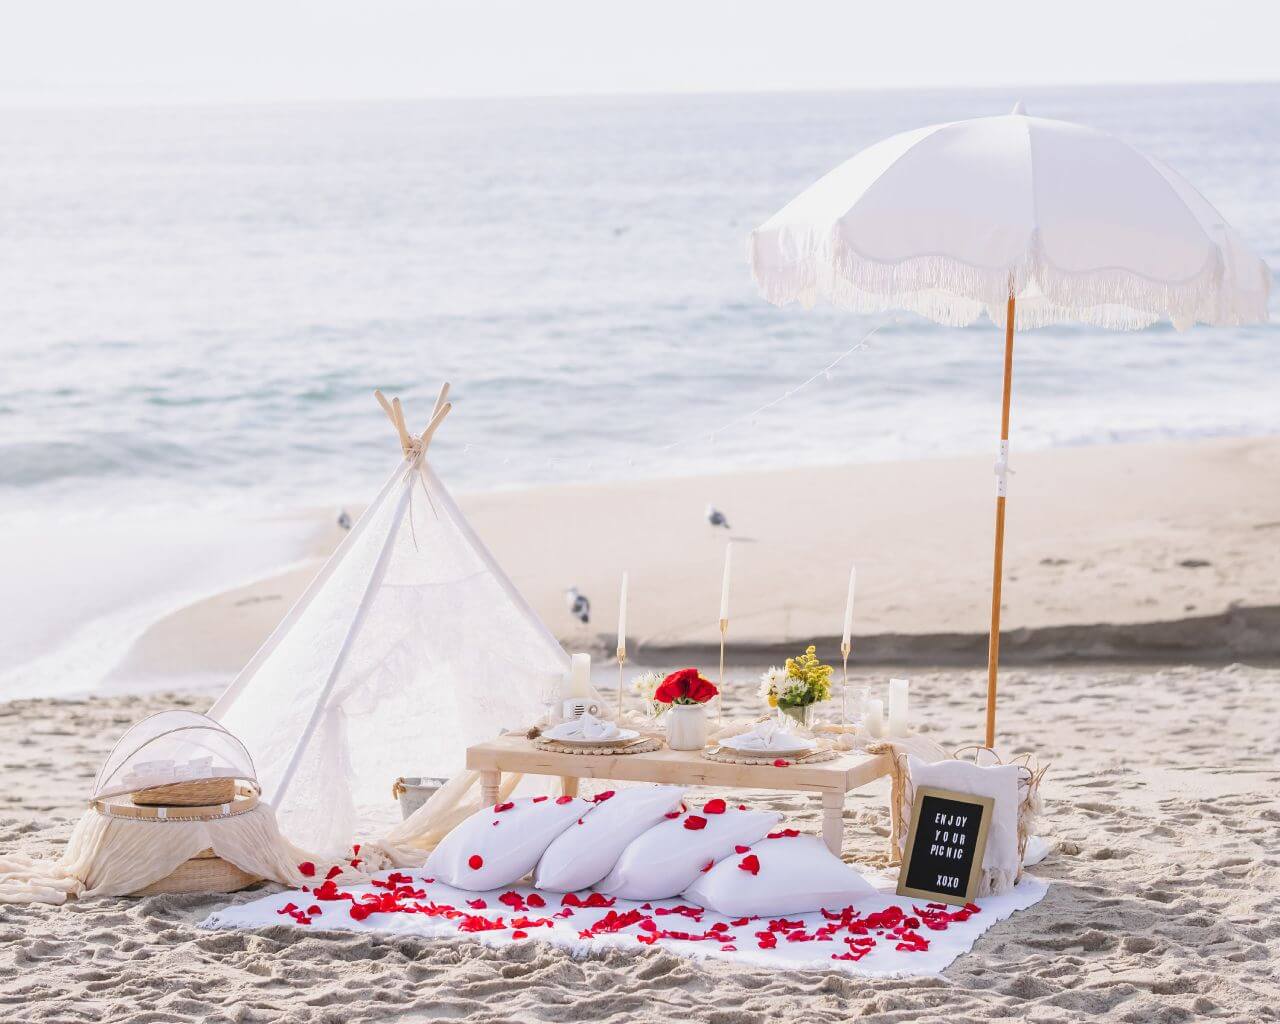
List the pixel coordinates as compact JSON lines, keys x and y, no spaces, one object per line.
{"x":579,"y":606}
{"x":344,"y":519}
{"x":716,"y":518}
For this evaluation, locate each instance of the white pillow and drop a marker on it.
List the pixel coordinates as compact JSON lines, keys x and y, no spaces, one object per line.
{"x":665,"y":860}
{"x":997,"y":781}
{"x":584,"y":852}
{"x":499,"y":845}
{"x":789,"y":874}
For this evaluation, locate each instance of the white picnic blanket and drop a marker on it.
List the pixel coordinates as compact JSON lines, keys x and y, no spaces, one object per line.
{"x":883,"y":935}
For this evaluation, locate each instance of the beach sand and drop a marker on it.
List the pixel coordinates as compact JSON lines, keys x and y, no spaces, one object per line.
{"x":1149,"y":552}
{"x":1162,"y":811}
{"x":1162,"y":805}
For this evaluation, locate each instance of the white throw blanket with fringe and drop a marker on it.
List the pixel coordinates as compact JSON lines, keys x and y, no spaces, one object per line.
{"x":114,"y":856}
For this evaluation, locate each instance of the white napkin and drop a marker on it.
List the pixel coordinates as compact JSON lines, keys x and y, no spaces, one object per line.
{"x":768,"y":735}
{"x":585,"y":727}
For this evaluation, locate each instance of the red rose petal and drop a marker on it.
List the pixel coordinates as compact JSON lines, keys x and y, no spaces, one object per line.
{"x":750,"y":863}
{"x":716,"y":806}
{"x":708,"y":866}
{"x":693,"y":823}
{"x":475,"y":862}
{"x":334,"y":872}
{"x":307,"y":868}
{"x":538,"y":799}
{"x":564,"y":799}
{"x":519,"y":935}
{"x":534,"y":900}
{"x":780,"y":763}
{"x":499,"y":808}
{"x":602,"y":797}
{"x":742,"y":849}
{"x":477,"y":904}
{"x":672,"y":814}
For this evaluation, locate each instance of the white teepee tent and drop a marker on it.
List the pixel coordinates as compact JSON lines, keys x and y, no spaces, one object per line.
{"x":410,"y":645}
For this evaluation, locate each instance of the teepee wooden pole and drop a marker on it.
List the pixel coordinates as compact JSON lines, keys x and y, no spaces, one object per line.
{"x":997,"y":569}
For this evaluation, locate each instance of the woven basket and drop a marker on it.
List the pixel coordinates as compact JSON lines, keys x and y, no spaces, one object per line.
{"x":205,"y":872}
{"x":192,"y":793}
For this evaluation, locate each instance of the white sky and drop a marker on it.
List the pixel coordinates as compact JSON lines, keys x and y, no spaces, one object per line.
{"x":125,"y":51}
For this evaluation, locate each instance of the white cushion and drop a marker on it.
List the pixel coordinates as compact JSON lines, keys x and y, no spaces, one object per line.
{"x":584,"y":852}
{"x":997,"y":781}
{"x":789,"y":874}
{"x":497,"y":846}
{"x":665,"y":860}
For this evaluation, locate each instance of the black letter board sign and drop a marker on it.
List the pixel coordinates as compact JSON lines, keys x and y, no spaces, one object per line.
{"x":943,"y":858}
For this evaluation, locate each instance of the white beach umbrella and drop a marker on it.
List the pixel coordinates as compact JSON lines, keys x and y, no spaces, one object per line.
{"x":1029,"y":220}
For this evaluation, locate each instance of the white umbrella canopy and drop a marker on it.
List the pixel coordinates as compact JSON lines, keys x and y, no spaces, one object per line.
{"x":1030,"y":220}
{"x":940,"y":220}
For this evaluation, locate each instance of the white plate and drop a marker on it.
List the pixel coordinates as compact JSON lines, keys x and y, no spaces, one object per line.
{"x":624,"y":736}
{"x":807,"y":748}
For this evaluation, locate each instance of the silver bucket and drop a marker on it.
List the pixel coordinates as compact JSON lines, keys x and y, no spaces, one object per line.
{"x":413,"y":791}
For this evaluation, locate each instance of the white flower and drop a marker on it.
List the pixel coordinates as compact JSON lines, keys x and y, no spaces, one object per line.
{"x":772,"y":682}
{"x":645,"y":686}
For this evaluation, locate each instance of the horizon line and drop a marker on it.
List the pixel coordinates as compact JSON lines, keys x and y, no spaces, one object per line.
{"x":83,"y":103}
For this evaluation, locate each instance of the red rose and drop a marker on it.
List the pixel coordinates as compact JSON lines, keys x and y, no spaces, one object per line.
{"x":685,"y":687}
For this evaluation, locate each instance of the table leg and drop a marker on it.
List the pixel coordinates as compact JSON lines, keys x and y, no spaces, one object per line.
{"x":568,"y":785}
{"x":490,"y":786}
{"x":833,"y":821}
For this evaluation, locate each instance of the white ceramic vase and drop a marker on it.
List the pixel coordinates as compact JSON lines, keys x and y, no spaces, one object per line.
{"x":687,"y":726}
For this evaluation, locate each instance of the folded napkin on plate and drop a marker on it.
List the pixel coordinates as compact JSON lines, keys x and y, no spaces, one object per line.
{"x":584,"y":727}
{"x":768,"y":735}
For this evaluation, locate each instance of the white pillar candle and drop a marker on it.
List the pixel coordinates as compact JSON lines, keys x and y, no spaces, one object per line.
{"x":898,"y":691}
{"x":724,"y":588}
{"x":848,"y":607}
{"x":622,"y":615}
{"x":579,"y":675}
{"x":875,"y":717}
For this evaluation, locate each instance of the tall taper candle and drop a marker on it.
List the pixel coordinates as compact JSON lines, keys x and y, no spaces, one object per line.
{"x":848,"y":606}
{"x":724,"y":589}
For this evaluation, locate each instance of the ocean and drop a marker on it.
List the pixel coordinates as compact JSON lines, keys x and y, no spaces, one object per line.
{"x":199,"y":302}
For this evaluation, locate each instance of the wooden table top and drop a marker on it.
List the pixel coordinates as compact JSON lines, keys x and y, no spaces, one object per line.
{"x":516,"y":753}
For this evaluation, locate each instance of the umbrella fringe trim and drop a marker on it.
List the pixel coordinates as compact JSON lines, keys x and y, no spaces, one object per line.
{"x":955,"y":293}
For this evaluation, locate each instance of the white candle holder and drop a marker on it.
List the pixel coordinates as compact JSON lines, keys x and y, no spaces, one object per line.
{"x":724,"y":629}
{"x":845,"y":648}
{"x":622,"y":660}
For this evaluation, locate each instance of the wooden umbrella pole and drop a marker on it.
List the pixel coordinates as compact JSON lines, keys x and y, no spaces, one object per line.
{"x":997,"y":570}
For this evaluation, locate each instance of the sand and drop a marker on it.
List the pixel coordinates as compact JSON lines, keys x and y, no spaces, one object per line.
{"x":1162,"y":551}
{"x":1165,"y":902}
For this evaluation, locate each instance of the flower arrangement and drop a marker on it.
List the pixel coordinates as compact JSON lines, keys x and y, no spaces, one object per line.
{"x":804,"y":681}
{"x":645,"y":686}
{"x":685,"y":687}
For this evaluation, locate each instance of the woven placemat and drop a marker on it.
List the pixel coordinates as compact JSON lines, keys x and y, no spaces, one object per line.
{"x":653,"y":743}
{"x":726,"y":757}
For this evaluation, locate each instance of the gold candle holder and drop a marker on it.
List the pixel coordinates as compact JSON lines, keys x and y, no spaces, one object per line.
{"x":622,"y":660}
{"x":845,"y":648}
{"x":724,"y":629}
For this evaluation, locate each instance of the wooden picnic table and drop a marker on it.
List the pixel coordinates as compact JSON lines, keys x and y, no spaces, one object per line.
{"x":832,"y":780}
